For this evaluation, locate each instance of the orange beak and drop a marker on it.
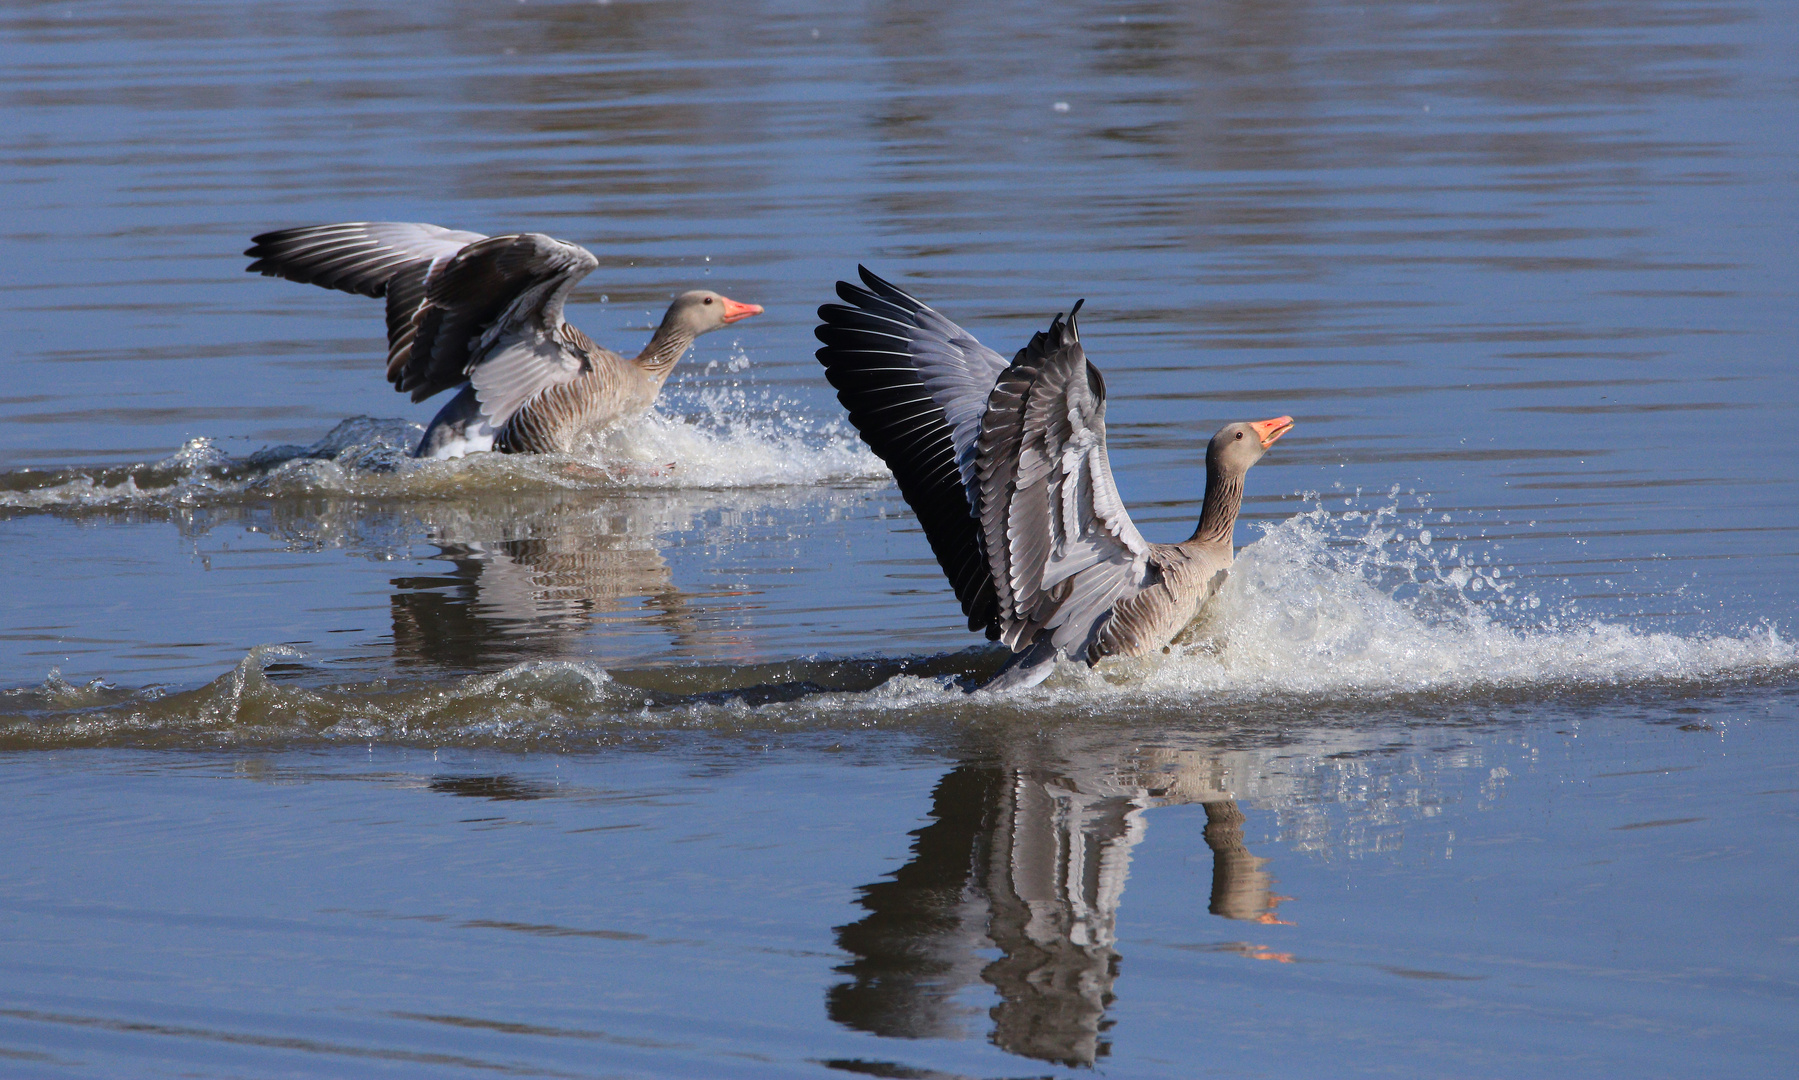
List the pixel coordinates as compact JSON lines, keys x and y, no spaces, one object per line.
{"x":735,"y":312}
{"x":1270,"y":430}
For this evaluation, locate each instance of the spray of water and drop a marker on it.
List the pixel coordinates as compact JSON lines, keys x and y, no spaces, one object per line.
{"x":723,"y":438}
{"x":1323,"y":608}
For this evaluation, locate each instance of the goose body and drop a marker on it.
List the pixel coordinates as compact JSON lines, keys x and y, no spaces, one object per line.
{"x":1005,"y":465}
{"x":483,"y":314}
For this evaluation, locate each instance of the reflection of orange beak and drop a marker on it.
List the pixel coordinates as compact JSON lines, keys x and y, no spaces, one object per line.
{"x":735,"y":312}
{"x":1270,"y":430}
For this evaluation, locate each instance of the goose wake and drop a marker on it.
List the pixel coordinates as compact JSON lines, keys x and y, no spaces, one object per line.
{"x":731,"y":438}
{"x":1321,"y":612}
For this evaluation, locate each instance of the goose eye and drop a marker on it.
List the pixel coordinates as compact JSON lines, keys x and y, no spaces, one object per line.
{"x":1239,"y":434}
{"x":708,"y":300}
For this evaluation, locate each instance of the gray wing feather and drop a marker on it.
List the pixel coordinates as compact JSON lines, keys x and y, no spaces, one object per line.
{"x":957,"y":371}
{"x":874,"y":344}
{"x":493,"y":316}
{"x":508,"y":379}
{"x":1061,"y":547}
{"x":355,"y":256}
{"x":456,"y":301}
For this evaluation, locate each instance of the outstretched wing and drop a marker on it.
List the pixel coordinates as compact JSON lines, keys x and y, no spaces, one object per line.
{"x":455,"y":300}
{"x":356,"y":256}
{"x":1060,"y":547}
{"x":916,"y":385}
{"x":394,"y":259}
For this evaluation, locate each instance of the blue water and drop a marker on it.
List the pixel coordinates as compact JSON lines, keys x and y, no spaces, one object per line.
{"x":300,"y":741}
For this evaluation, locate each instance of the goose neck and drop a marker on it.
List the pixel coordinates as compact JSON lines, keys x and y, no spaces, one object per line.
{"x":1224,"y":497}
{"x":665,"y":348}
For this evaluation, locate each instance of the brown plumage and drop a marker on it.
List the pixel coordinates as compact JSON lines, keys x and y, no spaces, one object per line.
{"x":484,"y":313}
{"x":1005,"y":465}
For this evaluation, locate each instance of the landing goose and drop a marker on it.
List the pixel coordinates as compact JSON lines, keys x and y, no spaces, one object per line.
{"x":1005,"y":466}
{"x":484,"y":313}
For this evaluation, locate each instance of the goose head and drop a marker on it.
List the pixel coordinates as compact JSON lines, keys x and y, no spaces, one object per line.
{"x":703,"y":311}
{"x":1238,"y":446}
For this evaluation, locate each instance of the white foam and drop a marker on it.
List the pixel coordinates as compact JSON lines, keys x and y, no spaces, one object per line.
{"x":732,"y":438}
{"x":1304,"y":613}
{"x":727,"y":438}
{"x":1322,"y":608}
{"x":1338,"y":607}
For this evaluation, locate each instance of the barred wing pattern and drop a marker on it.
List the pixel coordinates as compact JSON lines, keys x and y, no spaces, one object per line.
{"x":916,"y":386}
{"x":456,"y":300}
{"x":1004,"y":464}
{"x":395,"y":259}
{"x":1061,"y":549}
{"x":356,"y":256}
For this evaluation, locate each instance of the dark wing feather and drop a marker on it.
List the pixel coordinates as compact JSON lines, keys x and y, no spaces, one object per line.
{"x":395,"y":259}
{"x":497,"y":303}
{"x":958,"y":370}
{"x":355,"y":256}
{"x":880,"y":347}
{"x":454,"y":299}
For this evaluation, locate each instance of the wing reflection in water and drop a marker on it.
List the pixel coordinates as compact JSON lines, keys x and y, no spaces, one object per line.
{"x":1030,"y":860}
{"x":530,"y":573}
{"x":499,"y":788}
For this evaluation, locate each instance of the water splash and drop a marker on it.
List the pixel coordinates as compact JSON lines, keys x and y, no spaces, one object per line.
{"x":1317,"y":615}
{"x":728,"y":438}
{"x":1341,"y":605}
{"x":733,"y":436}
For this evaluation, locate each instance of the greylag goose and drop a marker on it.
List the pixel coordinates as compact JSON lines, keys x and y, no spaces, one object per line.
{"x":1005,"y":466}
{"x":484,"y":313}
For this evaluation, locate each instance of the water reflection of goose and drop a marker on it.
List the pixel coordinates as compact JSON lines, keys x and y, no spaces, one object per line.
{"x":1030,"y":859}
{"x":484,"y":313}
{"x":1005,"y":466}
{"x":532,"y":573}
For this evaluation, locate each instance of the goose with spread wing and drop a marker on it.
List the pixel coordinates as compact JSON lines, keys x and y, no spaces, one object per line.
{"x":1005,"y":466}
{"x":484,"y":313}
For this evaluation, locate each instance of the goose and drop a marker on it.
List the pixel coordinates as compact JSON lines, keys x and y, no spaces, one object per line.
{"x":1005,"y":466}
{"x":484,"y":313}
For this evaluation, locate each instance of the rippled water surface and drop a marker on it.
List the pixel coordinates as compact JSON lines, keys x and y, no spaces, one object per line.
{"x":650,"y":760}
